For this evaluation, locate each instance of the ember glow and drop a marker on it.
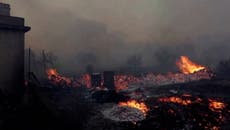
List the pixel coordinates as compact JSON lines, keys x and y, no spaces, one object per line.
{"x":176,"y":100}
{"x":187,"y":66}
{"x":216,"y":106}
{"x":190,"y":72}
{"x":51,"y":72}
{"x":57,"y":79}
{"x":207,"y":114}
{"x":134,"y":104}
{"x":86,"y":79}
{"x":123,"y":81}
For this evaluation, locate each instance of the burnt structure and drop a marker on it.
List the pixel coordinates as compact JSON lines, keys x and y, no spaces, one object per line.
{"x":12,"y":40}
{"x":109,"y":80}
{"x":96,"y":80}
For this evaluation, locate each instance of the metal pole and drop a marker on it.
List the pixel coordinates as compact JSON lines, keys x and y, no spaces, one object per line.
{"x":29,"y":64}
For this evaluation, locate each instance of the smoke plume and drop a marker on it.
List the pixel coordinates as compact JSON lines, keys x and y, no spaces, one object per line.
{"x":107,"y":34}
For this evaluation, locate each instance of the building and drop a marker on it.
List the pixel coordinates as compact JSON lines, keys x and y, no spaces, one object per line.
{"x":12,"y":40}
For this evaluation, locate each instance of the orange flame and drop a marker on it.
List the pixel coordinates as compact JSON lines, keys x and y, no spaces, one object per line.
{"x":134,"y":104}
{"x":187,"y":66}
{"x":56,"y":77}
{"x":177,"y":100}
{"x":216,"y":106}
{"x":51,"y":72}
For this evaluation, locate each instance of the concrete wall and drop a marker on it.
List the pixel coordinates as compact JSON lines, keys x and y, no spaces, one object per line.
{"x":12,"y":35}
{"x":11,"y":61}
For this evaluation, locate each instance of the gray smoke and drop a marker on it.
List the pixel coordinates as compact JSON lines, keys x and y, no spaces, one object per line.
{"x":108,"y":33}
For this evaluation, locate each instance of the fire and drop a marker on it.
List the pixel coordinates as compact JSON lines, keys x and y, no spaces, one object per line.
{"x":187,"y":66}
{"x":51,"y":72}
{"x":190,"y":72}
{"x":123,"y":81}
{"x":56,"y":78}
{"x":60,"y":80}
{"x":134,"y":104}
{"x":177,"y":100}
{"x":216,"y":106}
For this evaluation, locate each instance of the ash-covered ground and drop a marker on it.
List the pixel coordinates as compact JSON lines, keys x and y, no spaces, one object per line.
{"x":186,"y":106}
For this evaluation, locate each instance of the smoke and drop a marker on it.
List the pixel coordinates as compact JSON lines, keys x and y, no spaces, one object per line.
{"x":107,"y":34}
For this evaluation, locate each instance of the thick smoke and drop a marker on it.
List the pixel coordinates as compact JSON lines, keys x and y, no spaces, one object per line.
{"x":122,"y":34}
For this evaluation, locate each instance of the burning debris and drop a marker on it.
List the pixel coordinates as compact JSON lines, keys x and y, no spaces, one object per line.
{"x":181,"y":111}
{"x":177,"y":100}
{"x":201,"y":113}
{"x":216,"y":106}
{"x":184,"y":112}
{"x":190,"y":72}
{"x":187,"y":66}
{"x":134,"y":104}
{"x":56,"y":78}
{"x":118,"y":101}
{"x":147,"y":106}
{"x":130,"y":111}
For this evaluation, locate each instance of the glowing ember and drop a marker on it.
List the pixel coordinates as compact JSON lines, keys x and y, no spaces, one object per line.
{"x":57,"y":79}
{"x":86,"y":79}
{"x":51,"y":72}
{"x":123,"y":81}
{"x":215,"y":128}
{"x":187,"y":66}
{"x":216,"y":106}
{"x":177,"y":100}
{"x":190,"y":72}
{"x":134,"y":104}
{"x":187,"y":95}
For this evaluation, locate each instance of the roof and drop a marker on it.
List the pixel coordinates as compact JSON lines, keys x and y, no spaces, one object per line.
{"x":14,"y":27}
{"x":13,"y":23}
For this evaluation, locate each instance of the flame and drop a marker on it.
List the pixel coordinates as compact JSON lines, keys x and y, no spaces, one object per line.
{"x":51,"y":72}
{"x":55,"y":77}
{"x":134,"y":104}
{"x":187,"y":66}
{"x":123,"y":81}
{"x":216,"y":106}
{"x":177,"y":100}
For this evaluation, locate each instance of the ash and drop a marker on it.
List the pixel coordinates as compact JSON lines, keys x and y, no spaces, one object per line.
{"x":123,"y":114}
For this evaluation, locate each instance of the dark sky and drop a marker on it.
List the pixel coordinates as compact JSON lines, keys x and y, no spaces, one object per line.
{"x":115,"y":30}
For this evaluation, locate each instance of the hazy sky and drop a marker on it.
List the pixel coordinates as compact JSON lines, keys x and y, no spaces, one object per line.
{"x":113,"y":30}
